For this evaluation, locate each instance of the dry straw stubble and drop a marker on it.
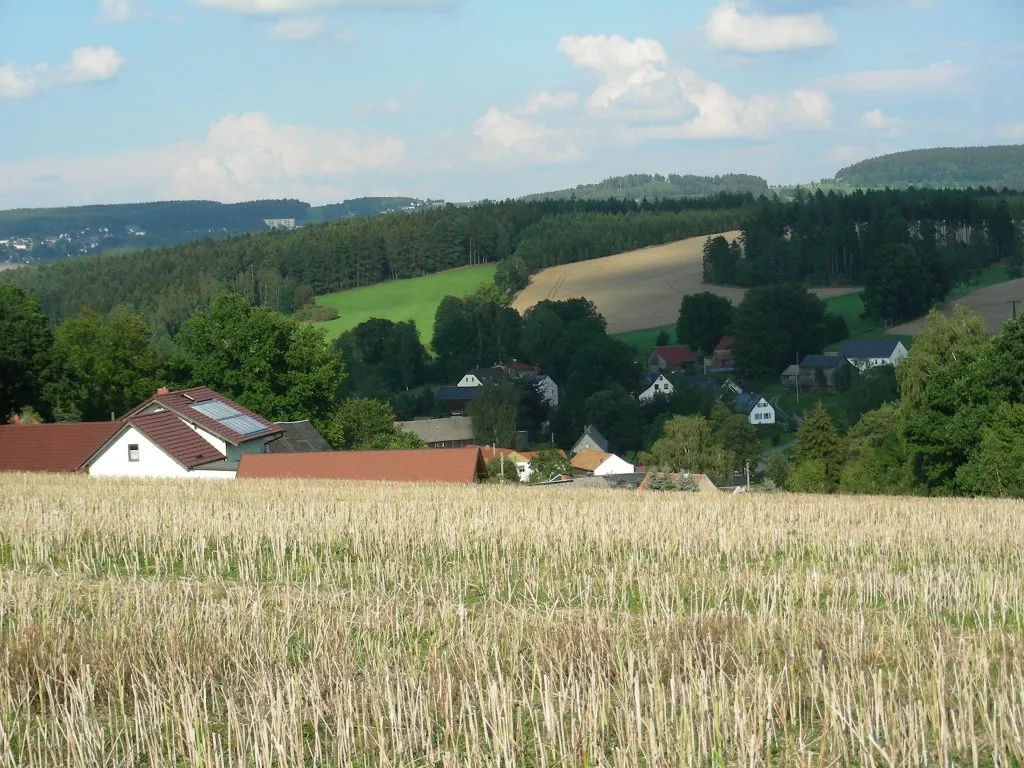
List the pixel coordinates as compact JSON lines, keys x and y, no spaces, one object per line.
{"x":289,"y":623}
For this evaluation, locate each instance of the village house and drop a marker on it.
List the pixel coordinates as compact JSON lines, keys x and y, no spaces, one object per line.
{"x":817,"y":373}
{"x":870,"y":354}
{"x":298,"y":437}
{"x":669,"y":359}
{"x":758,"y":411}
{"x":453,"y":432}
{"x":521,"y":459}
{"x":456,"y":399}
{"x":529,"y":374}
{"x":454,"y":465}
{"x":721,"y":360}
{"x":480,"y":376}
{"x":599,"y":463}
{"x":591,"y":439}
{"x":655,"y":385}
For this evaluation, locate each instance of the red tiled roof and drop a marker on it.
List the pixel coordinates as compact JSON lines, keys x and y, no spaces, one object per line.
{"x":52,"y":447}
{"x":445,"y":465}
{"x":180,"y":402}
{"x":515,"y":365}
{"x":675,"y":355}
{"x":588,"y":460}
{"x":176,"y":439}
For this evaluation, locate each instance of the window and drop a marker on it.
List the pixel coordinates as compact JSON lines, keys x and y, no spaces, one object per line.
{"x":133,"y":452}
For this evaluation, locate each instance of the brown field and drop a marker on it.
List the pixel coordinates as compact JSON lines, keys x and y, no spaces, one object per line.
{"x":638,"y":289}
{"x":992,"y":303}
{"x":265,"y":624}
{"x":5,"y":265}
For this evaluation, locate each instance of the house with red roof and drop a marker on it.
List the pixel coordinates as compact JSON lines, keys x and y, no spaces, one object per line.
{"x":426,"y":465}
{"x":669,"y":359}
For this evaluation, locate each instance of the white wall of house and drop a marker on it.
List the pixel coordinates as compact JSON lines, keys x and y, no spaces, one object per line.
{"x":469,"y":380}
{"x":899,"y":354}
{"x":613,"y":465}
{"x":762,"y":413}
{"x":153,"y":462}
{"x":661,"y":386}
{"x":549,"y":390}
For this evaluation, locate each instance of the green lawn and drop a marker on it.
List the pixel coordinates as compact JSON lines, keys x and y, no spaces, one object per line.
{"x":415,"y":299}
{"x":642,"y":341}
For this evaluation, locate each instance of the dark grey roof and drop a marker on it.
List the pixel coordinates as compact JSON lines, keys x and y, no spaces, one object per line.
{"x":599,"y":439}
{"x":880,"y":348}
{"x":628,"y":482}
{"x":745,"y":403}
{"x":821,"y":361}
{"x":454,"y":428}
{"x":219,"y":466}
{"x":487,"y":375}
{"x":454,"y":394}
{"x":298,"y":437}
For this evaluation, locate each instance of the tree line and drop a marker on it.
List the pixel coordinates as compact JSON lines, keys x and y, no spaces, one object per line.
{"x":996,"y":166}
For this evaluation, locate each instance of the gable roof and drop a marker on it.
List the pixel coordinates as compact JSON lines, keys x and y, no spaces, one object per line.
{"x":183,"y":402}
{"x":447,"y":465}
{"x":588,"y":459}
{"x":521,"y":367}
{"x":52,"y":447}
{"x":455,"y":394}
{"x":821,"y":361}
{"x":487,"y":375}
{"x":724,"y":343}
{"x":678,"y":354}
{"x":298,"y":437}
{"x":745,"y":403}
{"x":174,"y":437}
{"x":440,"y":430}
{"x":879,"y":348}
{"x":597,"y":438}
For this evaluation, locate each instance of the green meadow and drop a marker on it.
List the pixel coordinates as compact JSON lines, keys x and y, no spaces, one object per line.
{"x":415,"y":299}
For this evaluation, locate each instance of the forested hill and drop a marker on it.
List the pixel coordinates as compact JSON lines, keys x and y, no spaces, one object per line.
{"x":637,"y":186}
{"x":284,"y":270}
{"x":43,"y":235}
{"x":997,"y":167}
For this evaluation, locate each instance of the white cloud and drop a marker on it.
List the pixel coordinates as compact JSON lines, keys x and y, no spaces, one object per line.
{"x":85,"y":65}
{"x":939,"y":76}
{"x":639,"y":85}
{"x":728,"y":27}
{"x":504,"y":137}
{"x":1011,"y":131}
{"x":302,"y":29}
{"x":544,"y":101}
{"x":298,"y":6}
{"x":242,"y":157}
{"x":877,"y":120}
{"x":384,"y":107}
{"x":113,"y":11}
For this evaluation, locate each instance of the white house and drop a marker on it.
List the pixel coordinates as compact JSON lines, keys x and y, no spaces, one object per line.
{"x":758,"y":411}
{"x":599,"y":463}
{"x":191,"y":433}
{"x":547,"y":388}
{"x":870,"y":354}
{"x":480,"y":376}
{"x":613,"y":465}
{"x":544,"y":384}
{"x":658,"y":386}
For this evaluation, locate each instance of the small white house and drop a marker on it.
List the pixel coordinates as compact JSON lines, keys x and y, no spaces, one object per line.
{"x":614,"y":465}
{"x":599,"y":463}
{"x":758,"y":411}
{"x":547,"y":388}
{"x":659,"y":386}
{"x":870,"y":354}
{"x":480,"y":376}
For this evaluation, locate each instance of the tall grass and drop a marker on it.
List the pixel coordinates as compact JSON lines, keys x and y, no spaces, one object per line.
{"x":289,"y":624}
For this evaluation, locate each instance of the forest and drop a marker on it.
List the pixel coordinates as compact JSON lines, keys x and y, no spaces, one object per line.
{"x":943,"y":167}
{"x":907,"y":248}
{"x":285,"y":270}
{"x":635,"y":186}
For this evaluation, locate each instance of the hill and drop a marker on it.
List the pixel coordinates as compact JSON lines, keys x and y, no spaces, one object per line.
{"x":637,"y":186}
{"x":46,"y":235}
{"x":414,"y":299}
{"x":941,"y":167}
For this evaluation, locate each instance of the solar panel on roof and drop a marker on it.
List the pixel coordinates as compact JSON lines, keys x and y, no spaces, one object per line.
{"x":227,"y":416}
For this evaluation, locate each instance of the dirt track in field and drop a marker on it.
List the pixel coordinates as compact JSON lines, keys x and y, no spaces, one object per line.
{"x":992,"y":303}
{"x":637,"y":289}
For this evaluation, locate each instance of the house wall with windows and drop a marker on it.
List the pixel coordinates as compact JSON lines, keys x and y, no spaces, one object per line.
{"x":762,"y":413}
{"x":660,"y":386}
{"x":149,"y":460}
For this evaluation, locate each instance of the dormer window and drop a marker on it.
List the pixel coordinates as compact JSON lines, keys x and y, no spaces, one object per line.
{"x":133,"y":452}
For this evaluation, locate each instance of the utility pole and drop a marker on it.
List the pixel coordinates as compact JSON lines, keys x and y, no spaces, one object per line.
{"x":798,"y":375}
{"x":748,"y":475}
{"x":1014,"y":303}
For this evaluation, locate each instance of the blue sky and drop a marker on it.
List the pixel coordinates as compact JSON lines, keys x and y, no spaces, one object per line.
{"x":127,"y":100}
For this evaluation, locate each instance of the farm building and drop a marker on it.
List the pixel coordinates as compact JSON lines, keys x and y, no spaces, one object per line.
{"x":456,"y":399}
{"x":817,"y":372}
{"x":453,"y":432}
{"x":869,"y":354}
{"x":590,"y":439}
{"x":298,"y":437}
{"x":668,"y":359}
{"x":655,"y":385}
{"x":599,"y":463}
{"x":757,"y":410}
{"x":51,"y":447}
{"x":454,"y":465}
{"x":721,"y":359}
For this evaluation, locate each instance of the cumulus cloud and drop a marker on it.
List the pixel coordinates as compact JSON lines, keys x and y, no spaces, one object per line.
{"x":1011,"y":131}
{"x":241,"y":157}
{"x":729,"y":27}
{"x":939,"y":76}
{"x":113,"y":11}
{"x":85,"y":65}
{"x":505,"y":137}
{"x":384,"y":107}
{"x":300,"y":28}
{"x":298,"y":6}
{"x":877,"y":120}
{"x":638,"y":84}
{"x":545,"y":101}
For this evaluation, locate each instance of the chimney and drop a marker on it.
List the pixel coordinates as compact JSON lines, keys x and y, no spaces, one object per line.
{"x":163,"y":391}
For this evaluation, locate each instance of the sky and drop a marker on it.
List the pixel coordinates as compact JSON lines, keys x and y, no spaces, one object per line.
{"x":110,"y":101}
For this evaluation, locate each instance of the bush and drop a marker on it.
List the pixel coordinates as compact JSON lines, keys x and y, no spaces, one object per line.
{"x":311,"y":313}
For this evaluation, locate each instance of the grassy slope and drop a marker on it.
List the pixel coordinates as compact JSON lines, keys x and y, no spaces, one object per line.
{"x":398,"y":300}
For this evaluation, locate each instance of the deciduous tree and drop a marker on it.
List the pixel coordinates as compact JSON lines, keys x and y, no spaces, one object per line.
{"x":25,"y":341}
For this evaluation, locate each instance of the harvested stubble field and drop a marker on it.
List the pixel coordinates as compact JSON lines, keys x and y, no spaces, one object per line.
{"x":289,"y":623}
{"x":994,"y":303}
{"x":638,"y":289}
